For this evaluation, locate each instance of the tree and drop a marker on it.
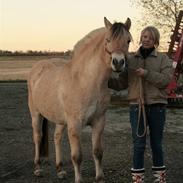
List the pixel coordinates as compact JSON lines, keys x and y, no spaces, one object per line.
{"x":162,"y":14}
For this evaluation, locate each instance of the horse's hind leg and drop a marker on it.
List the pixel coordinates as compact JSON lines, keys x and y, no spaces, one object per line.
{"x":57,"y":139}
{"x":36,"y":125}
{"x":97,"y":130}
{"x":74,"y":131}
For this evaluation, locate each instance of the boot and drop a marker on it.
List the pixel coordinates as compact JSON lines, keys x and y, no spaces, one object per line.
{"x":160,"y":174}
{"x":137,"y":175}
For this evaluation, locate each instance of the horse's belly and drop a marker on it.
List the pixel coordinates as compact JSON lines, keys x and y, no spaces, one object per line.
{"x":46,"y":100}
{"x":91,"y":112}
{"x":51,"y":111}
{"x":94,"y":111}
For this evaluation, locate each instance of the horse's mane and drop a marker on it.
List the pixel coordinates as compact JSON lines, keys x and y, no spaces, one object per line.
{"x":118,"y":29}
{"x":86,"y":40}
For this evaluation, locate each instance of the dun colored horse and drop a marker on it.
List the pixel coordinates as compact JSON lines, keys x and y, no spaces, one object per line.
{"x":76,"y":94}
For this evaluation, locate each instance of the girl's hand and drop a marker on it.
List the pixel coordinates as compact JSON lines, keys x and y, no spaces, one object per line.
{"x":140,"y":72}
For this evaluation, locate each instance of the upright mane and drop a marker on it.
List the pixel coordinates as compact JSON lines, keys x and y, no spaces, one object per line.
{"x":81,"y":44}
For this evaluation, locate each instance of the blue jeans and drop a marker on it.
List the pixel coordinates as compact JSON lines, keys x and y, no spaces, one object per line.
{"x":155,"y":119}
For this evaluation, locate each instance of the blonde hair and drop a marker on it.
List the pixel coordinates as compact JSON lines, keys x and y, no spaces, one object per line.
{"x":154,"y":33}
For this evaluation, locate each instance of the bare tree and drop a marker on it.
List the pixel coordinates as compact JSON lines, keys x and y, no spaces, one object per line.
{"x":160,"y":13}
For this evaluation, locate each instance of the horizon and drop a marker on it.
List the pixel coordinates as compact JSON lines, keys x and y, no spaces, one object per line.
{"x":57,"y":25}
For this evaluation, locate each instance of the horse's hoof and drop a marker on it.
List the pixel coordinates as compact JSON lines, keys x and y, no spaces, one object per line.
{"x":45,"y":161}
{"x":62,"y":174}
{"x":38,"y":172}
{"x":100,"y":180}
{"x":79,"y":181}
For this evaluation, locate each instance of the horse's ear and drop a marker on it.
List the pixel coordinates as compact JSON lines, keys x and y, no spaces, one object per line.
{"x":107,"y":23}
{"x":128,"y":23}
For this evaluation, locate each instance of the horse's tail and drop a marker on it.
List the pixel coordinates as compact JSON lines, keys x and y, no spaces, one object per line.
{"x":44,"y":146}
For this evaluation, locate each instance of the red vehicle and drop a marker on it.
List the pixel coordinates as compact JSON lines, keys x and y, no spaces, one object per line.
{"x":175,"y":88}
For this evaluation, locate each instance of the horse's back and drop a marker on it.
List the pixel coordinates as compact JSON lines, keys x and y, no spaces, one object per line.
{"x":45,"y":67}
{"x":60,"y":62}
{"x":38,"y":69}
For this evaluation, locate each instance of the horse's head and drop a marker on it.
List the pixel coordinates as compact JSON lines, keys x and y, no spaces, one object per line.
{"x":117,"y":42}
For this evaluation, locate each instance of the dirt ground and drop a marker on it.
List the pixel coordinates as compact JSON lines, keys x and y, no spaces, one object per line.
{"x":16,"y":148}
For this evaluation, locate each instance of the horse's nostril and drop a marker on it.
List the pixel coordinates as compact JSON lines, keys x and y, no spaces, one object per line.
{"x":122,"y":61}
{"x":115,"y":61}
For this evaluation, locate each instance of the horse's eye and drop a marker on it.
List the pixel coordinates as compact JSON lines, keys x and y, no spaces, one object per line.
{"x":108,"y":40}
{"x":129,"y":41}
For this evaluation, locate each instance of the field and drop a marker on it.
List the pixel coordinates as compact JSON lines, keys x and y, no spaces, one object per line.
{"x":18,"y":67}
{"x":17,"y":149}
{"x":16,"y":154}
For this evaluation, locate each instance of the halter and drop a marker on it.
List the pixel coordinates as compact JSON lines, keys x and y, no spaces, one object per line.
{"x":106,"y":50}
{"x":107,"y":41}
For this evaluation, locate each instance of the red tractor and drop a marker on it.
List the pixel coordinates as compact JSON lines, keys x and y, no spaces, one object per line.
{"x":175,"y":52}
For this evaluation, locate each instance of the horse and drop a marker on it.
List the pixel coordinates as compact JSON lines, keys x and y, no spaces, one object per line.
{"x":75,"y":94}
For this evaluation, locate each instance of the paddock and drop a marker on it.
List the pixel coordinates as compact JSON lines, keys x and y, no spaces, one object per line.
{"x":16,"y":145}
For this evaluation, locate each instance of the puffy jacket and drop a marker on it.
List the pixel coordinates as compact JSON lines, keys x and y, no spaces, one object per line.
{"x":158,"y":73}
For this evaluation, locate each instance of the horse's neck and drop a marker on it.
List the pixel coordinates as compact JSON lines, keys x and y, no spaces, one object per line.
{"x":91,"y":66}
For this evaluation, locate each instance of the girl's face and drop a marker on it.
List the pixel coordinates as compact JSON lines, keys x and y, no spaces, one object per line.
{"x":147,"y":40}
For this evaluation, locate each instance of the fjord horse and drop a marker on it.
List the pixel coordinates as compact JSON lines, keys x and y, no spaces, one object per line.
{"x":76,"y":94}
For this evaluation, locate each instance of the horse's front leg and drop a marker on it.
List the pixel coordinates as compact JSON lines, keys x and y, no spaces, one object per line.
{"x":57,"y":140}
{"x":36,"y":125}
{"x":97,"y":131}
{"x":74,"y":131}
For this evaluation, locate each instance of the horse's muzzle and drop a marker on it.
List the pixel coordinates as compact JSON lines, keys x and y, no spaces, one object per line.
{"x":118,"y":65}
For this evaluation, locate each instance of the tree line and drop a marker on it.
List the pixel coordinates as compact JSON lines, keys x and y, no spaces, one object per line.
{"x":35,"y":53}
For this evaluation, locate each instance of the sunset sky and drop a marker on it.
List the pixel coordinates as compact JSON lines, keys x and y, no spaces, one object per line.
{"x":56,"y":25}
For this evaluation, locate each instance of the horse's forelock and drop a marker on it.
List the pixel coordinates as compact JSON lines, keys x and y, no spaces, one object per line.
{"x":118,"y":30}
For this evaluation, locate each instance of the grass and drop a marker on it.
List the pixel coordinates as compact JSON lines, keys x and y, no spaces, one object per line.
{"x":18,"y":67}
{"x":17,"y":64}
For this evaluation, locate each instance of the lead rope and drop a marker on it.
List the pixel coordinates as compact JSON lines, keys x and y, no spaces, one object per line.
{"x":141,"y":110}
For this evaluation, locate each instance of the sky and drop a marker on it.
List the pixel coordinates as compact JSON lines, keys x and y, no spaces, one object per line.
{"x":56,"y":25}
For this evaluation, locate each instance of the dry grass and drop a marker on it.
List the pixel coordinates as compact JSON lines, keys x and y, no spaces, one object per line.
{"x":17,"y":68}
